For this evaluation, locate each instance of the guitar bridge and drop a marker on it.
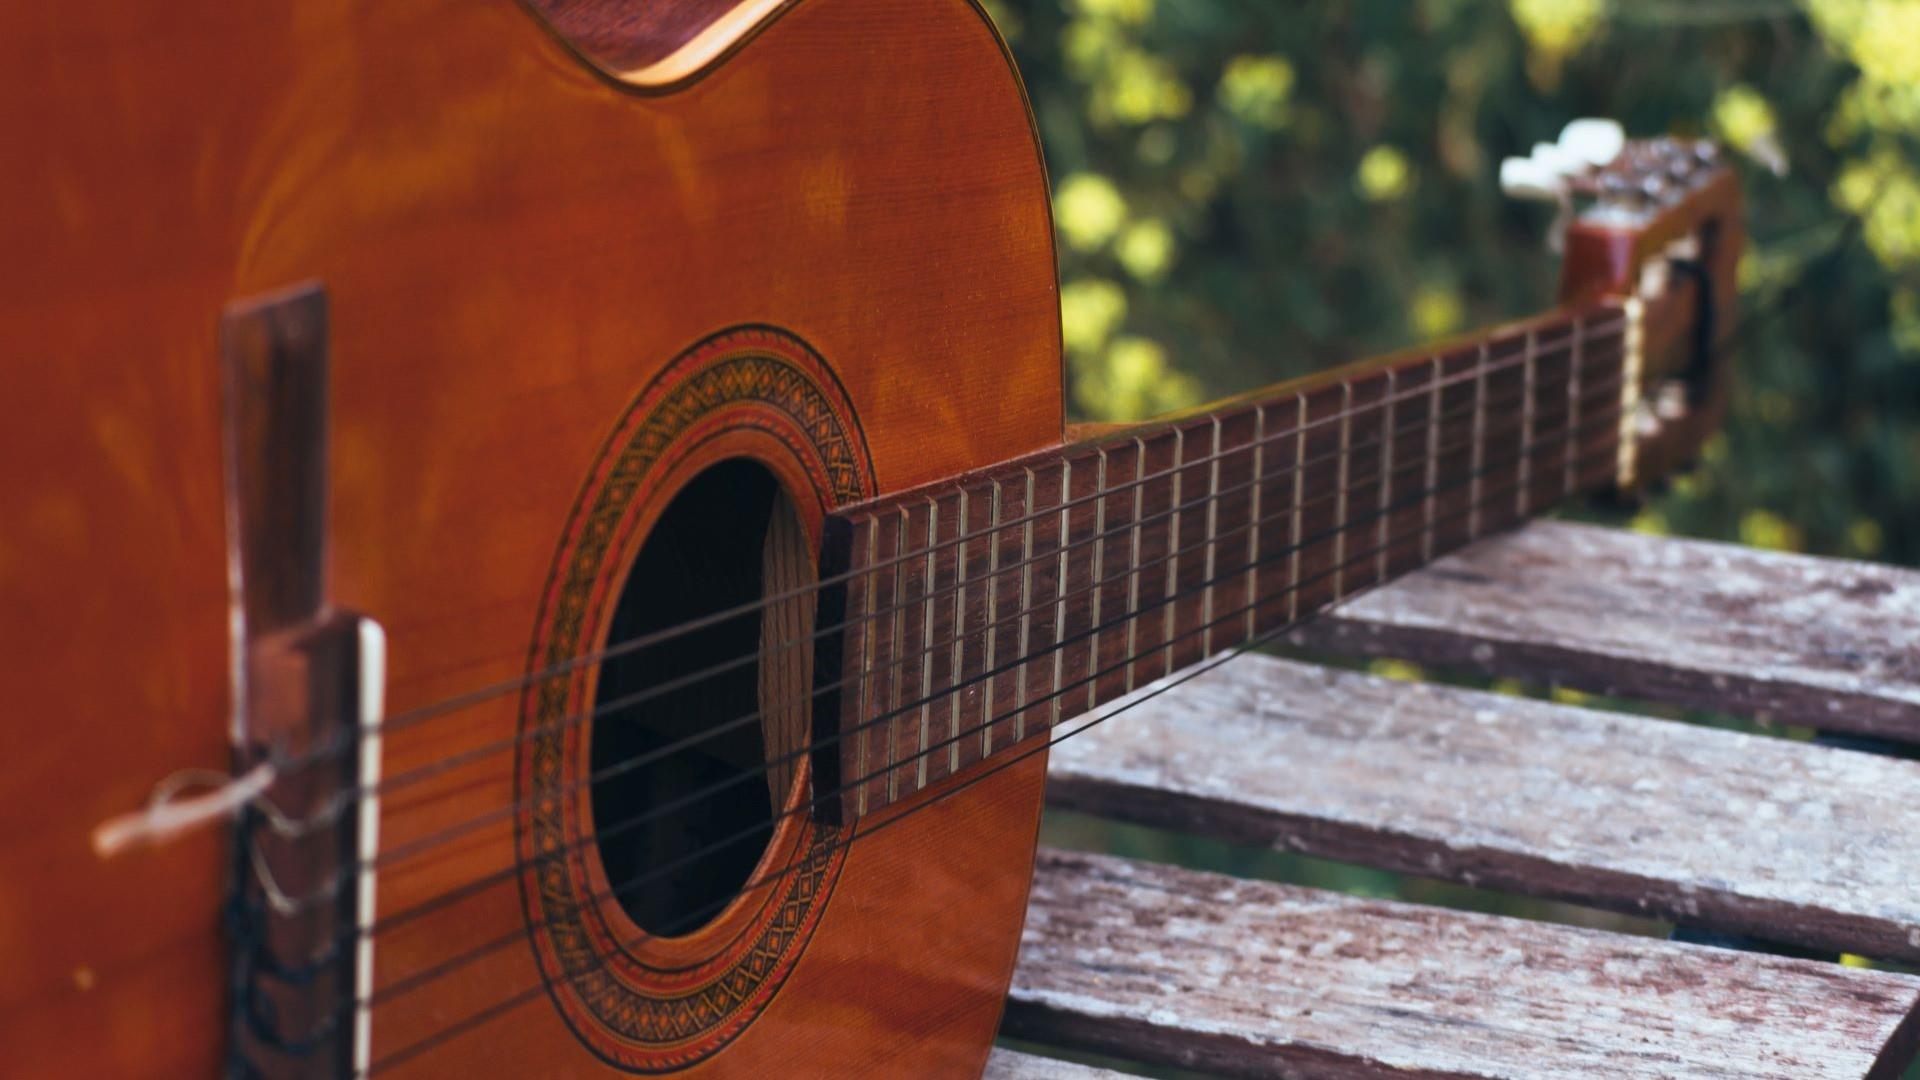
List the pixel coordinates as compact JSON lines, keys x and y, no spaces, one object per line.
{"x":308,"y":683}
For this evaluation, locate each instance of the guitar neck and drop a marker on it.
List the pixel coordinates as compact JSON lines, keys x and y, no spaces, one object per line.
{"x":974,"y":616}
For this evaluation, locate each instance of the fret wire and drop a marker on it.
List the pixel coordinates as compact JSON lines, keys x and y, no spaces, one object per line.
{"x":1617,"y":320}
{"x":1574,"y":363}
{"x":1435,"y":420}
{"x":1359,"y":557}
{"x":1522,"y":496}
{"x":1449,"y":381}
{"x":388,"y":994}
{"x":1060,"y":590}
{"x":1568,"y":434}
{"x":1479,"y":440}
{"x":1099,"y":568}
{"x":1026,"y":612}
{"x":1299,"y":505}
{"x":1627,"y":466}
{"x":899,"y":656}
{"x":1388,"y":477}
{"x":1173,"y":543}
{"x":993,"y":623}
{"x":1340,"y":503}
{"x":879,"y":565}
{"x":1253,"y":536}
{"x":955,"y":667}
{"x":926,"y":637}
{"x":1133,"y":559}
{"x":1500,"y":491}
{"x":1581,"y":338}
{"x":1386,"y":471}
{"x":866,"y":643}
{"x":1200,"y":545}
{"x":1213,"y":517}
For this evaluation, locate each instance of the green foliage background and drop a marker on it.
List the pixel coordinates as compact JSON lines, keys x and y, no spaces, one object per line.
{"x":1250,"y":190}
{"x":1247,"y":190}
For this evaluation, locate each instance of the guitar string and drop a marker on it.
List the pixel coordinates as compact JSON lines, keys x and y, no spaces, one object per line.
{"x":1784,"y":292}
{"x":342,"y":745}
{"x":1603,"y":319}
{"x":393,"y":856}
{"x":1740,"y":331}
{"x":385,"y":996}
{"x":399,"y":854}
{"x":413,"y":982}
{"x":403,"y":780}
{"x":387,"y":859}
{"x":493,"y":878}
{"x":344,"y":800}
{"x":486,"y":1015}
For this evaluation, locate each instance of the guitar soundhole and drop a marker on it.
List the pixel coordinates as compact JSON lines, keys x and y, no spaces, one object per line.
{"x":679,"y":834}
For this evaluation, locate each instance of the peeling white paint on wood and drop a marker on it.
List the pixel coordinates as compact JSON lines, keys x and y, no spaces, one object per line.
{"x":1823,"y":642}
{"x":1785,"y":841}
{"x":1008,"y":1065}
{"x":1249,"y":978}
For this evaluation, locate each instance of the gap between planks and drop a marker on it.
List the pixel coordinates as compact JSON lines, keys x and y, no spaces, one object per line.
{"x":1783,"y":841}
{"x":1826,"y":643}
{"x":1006,"y":1064}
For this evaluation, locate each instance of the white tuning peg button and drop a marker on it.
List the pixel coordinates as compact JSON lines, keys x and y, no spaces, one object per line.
{"x":1529,"y":178}
{"x":1551,"y":156}
{"x":1595,"y":142}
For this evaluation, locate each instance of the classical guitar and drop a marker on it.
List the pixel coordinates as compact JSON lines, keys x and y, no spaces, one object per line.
{"x":540,"y":540}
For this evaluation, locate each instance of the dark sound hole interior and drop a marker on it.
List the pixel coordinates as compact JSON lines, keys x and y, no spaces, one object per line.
{"x":681,"y":834}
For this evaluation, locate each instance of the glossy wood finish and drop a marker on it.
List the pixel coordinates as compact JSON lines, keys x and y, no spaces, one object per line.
{"x":508,"y":240}
{"x":1694,"y":323}
{"x":656,"y":46}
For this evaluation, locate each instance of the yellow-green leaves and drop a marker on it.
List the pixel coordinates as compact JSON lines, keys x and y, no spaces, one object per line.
{"x":1256,"y":89}
{"x":1145,"y":248}
{"x":1089,"y":210}
{"x":1743,"y":118}
{"x":1090,"y":311}
{"x":1878,"y":35}
{"x":1130,"y":380}
{"x":1766,"y":529}
{"x":1127,"y":84}
{"x":1384,"y":174}
{"x":1555,"y":29}
{"x":1884,"y":190}
{"x":1437,"y":311}
{"x":1129,"y":12}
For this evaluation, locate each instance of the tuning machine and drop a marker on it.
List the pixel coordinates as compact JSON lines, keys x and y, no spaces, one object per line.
{"x":1556,"y":172}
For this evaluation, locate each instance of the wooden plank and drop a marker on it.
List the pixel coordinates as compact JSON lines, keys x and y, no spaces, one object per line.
{"x":1005,"y":1064}
{"x":1780,"y":840}
{"x":1821,"y":642}
{"x":1250,"y":978}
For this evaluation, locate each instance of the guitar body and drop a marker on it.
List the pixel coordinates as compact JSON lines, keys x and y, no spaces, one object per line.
{"x":556,"y":301}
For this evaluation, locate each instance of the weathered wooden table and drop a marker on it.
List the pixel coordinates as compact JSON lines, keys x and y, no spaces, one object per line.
{"x":1776,"y":839}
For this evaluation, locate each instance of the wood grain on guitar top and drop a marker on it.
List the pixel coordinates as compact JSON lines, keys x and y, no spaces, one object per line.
{"x":513,"y":246}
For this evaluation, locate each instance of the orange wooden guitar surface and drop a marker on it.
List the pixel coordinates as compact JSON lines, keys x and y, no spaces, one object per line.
{"x":576,"y":262}
{"x":515,"y":245}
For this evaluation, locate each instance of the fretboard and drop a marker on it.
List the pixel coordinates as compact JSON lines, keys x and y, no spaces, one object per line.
{"x":973,"y":617}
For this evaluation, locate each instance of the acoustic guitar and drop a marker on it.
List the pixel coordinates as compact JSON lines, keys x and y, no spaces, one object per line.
{"x":540,"y":539}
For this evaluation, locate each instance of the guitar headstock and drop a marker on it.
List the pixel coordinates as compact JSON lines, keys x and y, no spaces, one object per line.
{"x":1653,"y":225}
